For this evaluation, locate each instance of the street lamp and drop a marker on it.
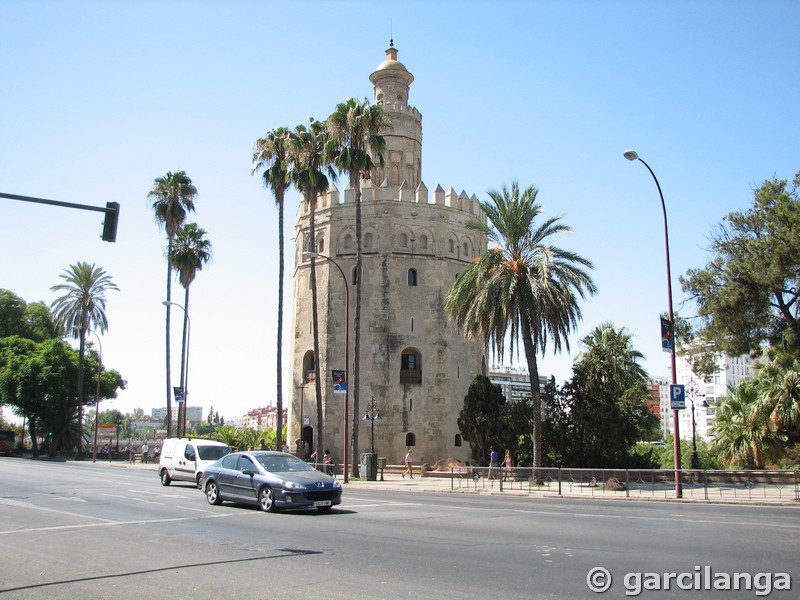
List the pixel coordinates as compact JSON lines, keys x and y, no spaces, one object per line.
{"x":632,"y":155}
{"x":184,"y":370}
{"x":301,"y":448}
{"x":372,"y":413}
{"x":694,"y":392}
{"x":309,"y":254}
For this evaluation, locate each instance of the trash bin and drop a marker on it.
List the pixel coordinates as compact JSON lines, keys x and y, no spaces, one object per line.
{"x":382,"y":462}
{"x":369,"y":466}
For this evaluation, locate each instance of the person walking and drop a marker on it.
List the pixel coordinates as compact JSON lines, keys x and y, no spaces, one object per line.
{"x":409,"y":462}
{"x":508,"y":464}
{"x":132,"y":452}
{"x":145,"y":450}
{"x":326,"y":463}
{"x":493,"y":460}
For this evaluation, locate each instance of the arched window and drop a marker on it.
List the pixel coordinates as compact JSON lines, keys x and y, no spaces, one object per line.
{"x":410,"y":366}
{"x":321,"y":245}
{"x":348,"y":242}
{"x":403,"y":240}
{"x":368,"y":241}
{"x":458,"y":440}
{"x":411,"y":440}
{"x":466,"y":249}
{"x":451,"y":246}
{"x":308,"y":366}
{"x":423,"y":242}
{"x":412,"y":277}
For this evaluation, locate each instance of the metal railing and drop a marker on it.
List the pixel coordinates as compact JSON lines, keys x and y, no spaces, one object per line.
{"x":630,"y":483}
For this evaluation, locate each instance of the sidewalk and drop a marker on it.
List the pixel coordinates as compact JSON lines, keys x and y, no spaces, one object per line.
{"x":442,"y":483}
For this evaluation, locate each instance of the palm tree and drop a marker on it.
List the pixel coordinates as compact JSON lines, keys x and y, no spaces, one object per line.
{"x":355,"y":138}
{"x":172,"y":197}
{"x":308,"y":174}
{"x":271,"y":155}
{"x":81,"y":308}
{"x":620,"y":360}
{"x":521,"y":287}
{"x":190,"y":252}
{"x":778,"y":378}
{"x":741,"y":438}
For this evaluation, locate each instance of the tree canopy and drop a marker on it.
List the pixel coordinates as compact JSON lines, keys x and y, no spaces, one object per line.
{"x":749,"y":292}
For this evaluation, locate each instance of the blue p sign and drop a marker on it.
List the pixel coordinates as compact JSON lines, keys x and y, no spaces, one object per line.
{"x":677,"y":397}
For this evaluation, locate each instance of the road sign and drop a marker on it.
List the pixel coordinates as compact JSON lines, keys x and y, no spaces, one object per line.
{"x":677,"y":397}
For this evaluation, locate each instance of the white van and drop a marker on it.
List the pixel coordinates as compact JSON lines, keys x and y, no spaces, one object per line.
{"x":185,"y":459}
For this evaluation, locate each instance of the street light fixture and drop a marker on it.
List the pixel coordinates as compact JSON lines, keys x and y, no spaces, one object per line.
{"x":632,"y":155}
{"x":184,"y":370}
{"x":693,"y":392}
{"x":310,"y":254}
{"x":372,"y":413}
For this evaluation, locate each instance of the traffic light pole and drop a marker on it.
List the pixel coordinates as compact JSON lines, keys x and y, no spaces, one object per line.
{"x":111,"y":211}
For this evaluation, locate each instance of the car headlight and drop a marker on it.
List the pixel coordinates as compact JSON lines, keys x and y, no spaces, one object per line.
{"x":293,"y":485}
{"x":336,"y":483}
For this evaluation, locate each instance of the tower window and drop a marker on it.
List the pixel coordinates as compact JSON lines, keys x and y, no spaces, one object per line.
{"x":412,"y":277}
{"x":348,"y":242}
{"x":354,"y":277}
{"x":411,"y":440}
{"x":403,"y":240}
{"x":451,"y":246}
{"x":410,"y":366}
{"x":368,"y":241}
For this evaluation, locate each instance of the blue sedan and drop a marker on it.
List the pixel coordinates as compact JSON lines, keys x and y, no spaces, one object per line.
{"x":272,"y":480}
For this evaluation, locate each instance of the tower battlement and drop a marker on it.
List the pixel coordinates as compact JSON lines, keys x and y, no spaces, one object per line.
{"x":404,"y":193}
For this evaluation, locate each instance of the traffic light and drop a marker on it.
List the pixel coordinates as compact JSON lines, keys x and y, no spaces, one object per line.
{"x":110,"y":222}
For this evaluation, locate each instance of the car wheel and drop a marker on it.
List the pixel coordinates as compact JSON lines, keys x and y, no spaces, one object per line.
{"x":266,"y":499}
{"x":165,"y":478}
{"x":199,"y":479}
{"x":212,"y":493}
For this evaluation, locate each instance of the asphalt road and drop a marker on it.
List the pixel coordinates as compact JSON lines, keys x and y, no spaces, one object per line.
{"x":73,"y":531}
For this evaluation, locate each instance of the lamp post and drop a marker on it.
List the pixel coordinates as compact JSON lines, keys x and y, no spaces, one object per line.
{"x":184,"y":370}
{"x":632,"y":155}
{"x":310,"y":254}
{"x":301,"y":447}
{"x":372,"y":413}
{"x":693,"y":392}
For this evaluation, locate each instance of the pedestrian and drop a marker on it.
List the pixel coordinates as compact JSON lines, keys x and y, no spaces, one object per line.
{"x":508,"y":463}
{"x":262,"y":445}
{"x":132,"y":453}
{"x":409,"y":461}
{"x":492,"y":462}
{"x":326,"y":463}
{"x":145,"y":450}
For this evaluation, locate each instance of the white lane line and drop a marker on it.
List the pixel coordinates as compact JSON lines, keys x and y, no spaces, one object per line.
{"x":110,"y":524}
{"x":28,"y":505}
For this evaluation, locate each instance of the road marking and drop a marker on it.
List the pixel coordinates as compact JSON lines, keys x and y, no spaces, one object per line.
{"x":19,"y":504}
{"x":110,"y":524}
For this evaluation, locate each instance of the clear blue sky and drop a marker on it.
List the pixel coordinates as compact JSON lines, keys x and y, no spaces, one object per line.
{"x":99,"y":98}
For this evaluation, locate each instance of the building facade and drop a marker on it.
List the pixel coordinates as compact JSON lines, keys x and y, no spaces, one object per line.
{"x":415,"y":364}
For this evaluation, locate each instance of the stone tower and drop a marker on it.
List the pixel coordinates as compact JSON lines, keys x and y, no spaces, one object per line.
{"x":414,"y":362}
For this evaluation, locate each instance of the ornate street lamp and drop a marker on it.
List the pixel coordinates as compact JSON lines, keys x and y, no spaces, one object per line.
{"x":692,"y":391}
{"x":372,"y":413}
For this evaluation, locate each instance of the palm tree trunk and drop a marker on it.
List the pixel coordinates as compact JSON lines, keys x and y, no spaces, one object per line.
{"x":315,"y":324}
{"x":536,"y":394}
{"x":168,"y":306}
{"x":81,"y":360}
{"x":357,"y":326}
{"x":279,"y":368}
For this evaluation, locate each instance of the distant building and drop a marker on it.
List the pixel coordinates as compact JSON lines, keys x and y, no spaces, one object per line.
{"x":262,"y":418}
{"x":194,"y":414}
{"x":704,"y":394}
{"x":515,"y":383}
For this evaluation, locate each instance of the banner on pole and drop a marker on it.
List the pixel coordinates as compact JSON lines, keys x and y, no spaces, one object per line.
{"x":667,"y":335}
{"x":339,"y":382}
{"x":180,"y":394}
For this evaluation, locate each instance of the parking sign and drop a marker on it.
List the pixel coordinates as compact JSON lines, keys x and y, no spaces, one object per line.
{"x":677,"y":397}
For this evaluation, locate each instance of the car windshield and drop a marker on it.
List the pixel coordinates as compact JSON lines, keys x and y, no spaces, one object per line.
{"x":283,"y":464}
{"x":212,"y":452}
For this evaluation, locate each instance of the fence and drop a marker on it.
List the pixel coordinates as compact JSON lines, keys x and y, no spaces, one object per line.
{"x":631,"y":483}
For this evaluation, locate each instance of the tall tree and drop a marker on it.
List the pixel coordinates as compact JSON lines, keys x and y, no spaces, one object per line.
{"x":81,"y":308}
{"x":356,"y":139}
{"x":309,"y":174}
{"x":171,"y":197}
{"x":271,"y":155}
{"x":521,"y":288}
{"x":602,"y":411}
{"x":190,"y":253}
{"x":749,"y":292}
